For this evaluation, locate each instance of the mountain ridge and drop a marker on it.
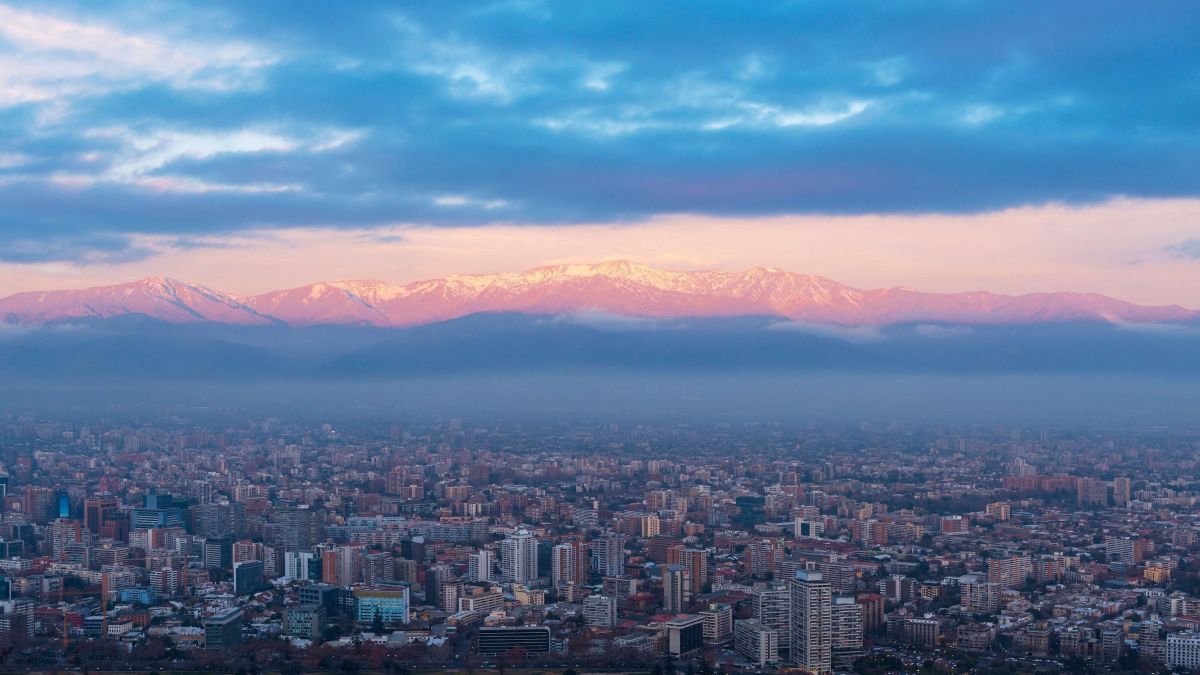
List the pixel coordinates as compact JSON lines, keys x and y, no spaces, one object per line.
{"x":620,"y":287}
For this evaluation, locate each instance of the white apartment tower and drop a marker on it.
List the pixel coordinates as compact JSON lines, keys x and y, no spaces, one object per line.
{"x":812,"y":619}
{"x":518,"y":562}
{"x":481,"y":566}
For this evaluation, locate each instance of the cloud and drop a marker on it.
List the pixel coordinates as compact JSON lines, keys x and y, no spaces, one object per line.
{"x":93,"y":250}
{"x":47,"y":57}
{"x":1189,"y":249}
{"x":940,"y":331}
{"x":121,"y":119}
{"x":606,"y":321}
{"x":1163,"y":329}
{"x":845,"y":333}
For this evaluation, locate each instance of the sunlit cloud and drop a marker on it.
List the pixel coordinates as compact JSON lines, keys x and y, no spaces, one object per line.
{"x":52,"y":58}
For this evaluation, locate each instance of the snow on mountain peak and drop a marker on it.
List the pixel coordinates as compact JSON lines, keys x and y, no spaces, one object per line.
{"x":619,"y":287}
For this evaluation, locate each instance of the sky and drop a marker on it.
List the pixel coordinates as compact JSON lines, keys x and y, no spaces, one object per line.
{"x":944,"y":146}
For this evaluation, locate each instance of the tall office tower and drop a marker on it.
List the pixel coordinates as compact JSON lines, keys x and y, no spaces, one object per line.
{"x":518,"y":563}
{"x":608,"y":555}
{"x":676,"y":588}
{"x":38,"y":504}
{"x":1121,"y":492}
{"x":480,"y":566}
{"x":97,"y":510}
{"x":299,"y":528}
{"x":846,"y":639}
{"x":771,"y":605}
{"x":562,"y":566}
{"x":160,"y":511}
{"x":812,"y":617}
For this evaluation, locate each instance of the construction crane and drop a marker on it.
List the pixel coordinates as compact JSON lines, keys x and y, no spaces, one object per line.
{"x":104,"y":589}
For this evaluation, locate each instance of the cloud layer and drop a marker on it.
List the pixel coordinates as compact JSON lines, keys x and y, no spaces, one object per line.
{"x":121,"y":122}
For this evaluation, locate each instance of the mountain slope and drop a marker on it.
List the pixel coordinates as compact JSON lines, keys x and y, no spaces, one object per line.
{"x":157,"y":297}
{"x":620,"y":287}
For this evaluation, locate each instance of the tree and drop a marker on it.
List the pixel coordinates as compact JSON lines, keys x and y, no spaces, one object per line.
{"x":377,"y":623}
{"x":350,"y":667}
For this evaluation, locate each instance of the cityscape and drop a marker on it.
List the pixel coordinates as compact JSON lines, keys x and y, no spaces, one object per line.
{"x":868,"y":547}
{"x":549,"y":337}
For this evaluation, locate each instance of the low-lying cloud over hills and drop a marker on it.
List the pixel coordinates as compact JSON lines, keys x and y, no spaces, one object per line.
{"x":607,"y":317}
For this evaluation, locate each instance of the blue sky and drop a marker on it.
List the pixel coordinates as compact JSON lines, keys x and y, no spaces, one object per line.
{"x":130,"y":129}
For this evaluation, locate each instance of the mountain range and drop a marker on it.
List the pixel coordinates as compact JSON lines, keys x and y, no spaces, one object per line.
{"x":617,"y":288}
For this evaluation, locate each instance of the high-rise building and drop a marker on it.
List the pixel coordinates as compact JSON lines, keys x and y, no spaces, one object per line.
{"x":649,"y":526}
{"x":305,"y":621}
{"x":608,"y":555}
{"x":518,"y":562}
{"x":98,"y":510}
{"x":676,"y":588}
{"x":846,"y":639}
{"x":696,"y":562}
{"x":219,"y":520}
{"x":771,"y":605}
{"x":298,"y":565}
{"x":449,"y":592}
{"x":685,"y":635}
{"x":298,"y":528}
{"x":600,"y":611}
{"x":389,"y":604}
{"x":64,"y":532}
{"x":760,"y":558}
{"x":1010,"y":571}
{"x":341,"y":565}
{"x":224,"y":629}
{"x":247,"y":550}
{"x":378,"y":568}
{"x":872,"y":611}
{"x":1091,"y":492}
{"x":160,"y":511}
{"x":718,"y":623}
{"x":248,"y":577}
{"x":481,"y":566}
{"x":756,"y":642}
{"x":1122,"y":491}
{"x":1125,"y":550}
{"x":977,"y":595}
{"x":562,"y":566}
{"x":812,"y":618}
{"x":435,"y":576}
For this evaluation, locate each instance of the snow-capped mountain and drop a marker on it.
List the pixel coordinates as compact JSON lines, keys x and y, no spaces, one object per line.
{"x":619,"y":287}
{"x":166,"y":299}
